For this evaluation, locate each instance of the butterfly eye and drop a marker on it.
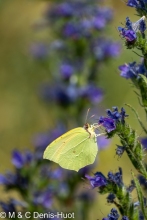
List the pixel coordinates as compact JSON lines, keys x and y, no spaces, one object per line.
{"x":86,"y":126}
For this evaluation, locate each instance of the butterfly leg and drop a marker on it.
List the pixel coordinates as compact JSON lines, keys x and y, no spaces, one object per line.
{"x":89,"y":133}
{"x":97,"y":135}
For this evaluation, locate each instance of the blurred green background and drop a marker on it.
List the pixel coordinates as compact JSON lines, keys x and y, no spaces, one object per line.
{"x":22,"y":113}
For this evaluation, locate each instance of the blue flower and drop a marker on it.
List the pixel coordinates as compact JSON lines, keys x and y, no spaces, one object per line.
{"x":128,"y":23}
{"x":144,"y":142}
{"x":98,"y":22}
{"x":128,"y":70}
{"x":110,"y":198}
{"x":104,"y":49}
{"x":61,"y":94}
{"x":64,"y":9}
{"x":107,"y":123}
{"x":66,"y":70}
{"x":92,"y":93}
{"x":14,"y":180}
{"x":113,"y":215}
{"x":129,"y":35}
{"x":98,"y":180}
{"x":116,"y":177}
{"x":142,"y":26}
{"x":56,"y":173}
{"x":131,"y":187}
{"x":133,"y":3}
{"x":120,"y":150}
{"x":19,"y":159}
{"x":11,"y":205}
{"x":114,"y":114}
{"x":73,"y":30}
{"x":9,"y":179}
{"x":8,"y":207}
{"x":130,"y":30}
{"x":139,"y":5}
{"x":142,"y":181}
{"x":132,"y":70}
{"x":101,"y":17}
{"x":43,"y":198}
{"x":114,"y":117}
{"x":117,"y":116}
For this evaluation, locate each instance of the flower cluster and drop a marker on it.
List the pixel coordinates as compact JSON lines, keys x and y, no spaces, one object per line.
{"x":113,"y":118}
{"x":103,"y":183}
{"x":119,"y":194}
{"x":114,"y":215}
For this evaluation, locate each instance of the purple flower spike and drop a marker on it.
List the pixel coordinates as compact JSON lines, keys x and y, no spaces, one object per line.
{"x":108,"y":123}
{"x":98,"y":180}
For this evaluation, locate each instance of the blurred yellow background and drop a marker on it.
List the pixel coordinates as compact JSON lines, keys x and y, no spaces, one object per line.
{"x":22,"y":113}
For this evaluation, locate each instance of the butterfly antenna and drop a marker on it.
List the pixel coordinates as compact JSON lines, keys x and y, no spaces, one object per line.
{"x":91,"y":116}
{"x":86,"y":187}
{"x":87,"y":115}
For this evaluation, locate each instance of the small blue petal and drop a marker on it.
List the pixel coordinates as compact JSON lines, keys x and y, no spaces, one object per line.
{"x":17,"y":159}
{"x":98,"y":180}
{"x":108,"y":123}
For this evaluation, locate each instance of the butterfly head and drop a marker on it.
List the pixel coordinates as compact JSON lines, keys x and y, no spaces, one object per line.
{"x":86,"y":126}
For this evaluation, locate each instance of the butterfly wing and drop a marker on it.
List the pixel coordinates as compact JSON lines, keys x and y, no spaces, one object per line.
{"x":73,"y":150}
